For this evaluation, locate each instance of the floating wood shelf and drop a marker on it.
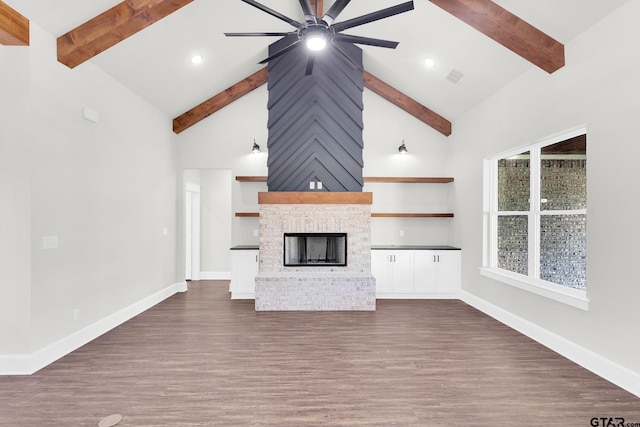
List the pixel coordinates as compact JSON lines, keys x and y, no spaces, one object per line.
{"x":373,"y":215}
{"x":409,"y":179}
{"x":405,"y":179}
{"x":388,"y":179}
{"x":411,"y":215}
{"x":251,"y":178}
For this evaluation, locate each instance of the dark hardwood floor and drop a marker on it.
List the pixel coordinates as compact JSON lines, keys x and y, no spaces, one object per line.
{"x":200,"y":359}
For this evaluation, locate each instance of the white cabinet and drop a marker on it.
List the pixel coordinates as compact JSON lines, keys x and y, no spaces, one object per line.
{"x":244,"y":269}
{"x":393,"y":271}
{"x":437,"y":272}
{"x":416,"y":273}
{"x":399,"y":273}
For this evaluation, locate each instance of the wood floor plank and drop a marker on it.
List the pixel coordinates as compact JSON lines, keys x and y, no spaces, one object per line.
{"x":200,"y":359}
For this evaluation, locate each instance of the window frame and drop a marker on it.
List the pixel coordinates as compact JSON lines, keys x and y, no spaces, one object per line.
{"x":530,"y":282}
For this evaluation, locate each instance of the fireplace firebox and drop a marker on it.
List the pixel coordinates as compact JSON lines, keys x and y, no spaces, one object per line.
{"x":315,"y":249}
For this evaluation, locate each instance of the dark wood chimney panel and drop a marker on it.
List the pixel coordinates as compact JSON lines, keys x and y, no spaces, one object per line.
{"x":315,"y":122}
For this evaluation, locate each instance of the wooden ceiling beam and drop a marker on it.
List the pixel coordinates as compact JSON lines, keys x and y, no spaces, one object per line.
{"x":406,"y":103}
{"x":257,"y":79}
{"x":320,"y":7}
{"x":14,"y":28}
{"x":510,"y":31}
{"x":219,"y":101}
{"x":111,"y":27}
{"x":139,"y":4}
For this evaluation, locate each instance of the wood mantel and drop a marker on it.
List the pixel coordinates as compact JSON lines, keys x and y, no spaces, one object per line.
{"x":315,"y":198}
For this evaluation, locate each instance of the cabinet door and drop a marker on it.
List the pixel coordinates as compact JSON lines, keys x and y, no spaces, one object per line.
{"x":402,"y":271}
{"x":244,"y":271}
{"x":448,"y":271}
{"x":425,"y":271}
{"x":380,"y":269}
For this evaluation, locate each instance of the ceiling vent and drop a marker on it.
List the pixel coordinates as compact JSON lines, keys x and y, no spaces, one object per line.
{"x":455,"y":76}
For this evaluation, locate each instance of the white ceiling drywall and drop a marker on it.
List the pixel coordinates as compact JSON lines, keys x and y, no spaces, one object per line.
{"x":155,"y":63}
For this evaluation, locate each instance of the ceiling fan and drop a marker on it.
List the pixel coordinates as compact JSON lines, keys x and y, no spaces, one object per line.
{"x":317,"y":33}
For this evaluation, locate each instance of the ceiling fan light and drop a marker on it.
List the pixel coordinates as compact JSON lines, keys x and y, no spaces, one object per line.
{"x":316,"y":43}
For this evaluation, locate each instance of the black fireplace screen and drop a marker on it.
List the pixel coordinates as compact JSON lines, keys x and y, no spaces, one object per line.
{"x":315,"y":249}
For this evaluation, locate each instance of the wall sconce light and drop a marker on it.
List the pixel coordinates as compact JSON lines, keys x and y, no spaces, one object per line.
{"x":402,"y":149}
{"x":256,"y":148}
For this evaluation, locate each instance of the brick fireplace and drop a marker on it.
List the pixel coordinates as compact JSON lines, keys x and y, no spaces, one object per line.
{"x":350,"y":287}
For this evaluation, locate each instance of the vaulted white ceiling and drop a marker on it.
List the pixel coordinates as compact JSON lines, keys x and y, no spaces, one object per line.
{"x":155,"y":62}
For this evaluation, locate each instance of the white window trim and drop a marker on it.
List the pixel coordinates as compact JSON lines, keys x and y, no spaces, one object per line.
{"x":573,"y":297}
{"x":563,"y":294}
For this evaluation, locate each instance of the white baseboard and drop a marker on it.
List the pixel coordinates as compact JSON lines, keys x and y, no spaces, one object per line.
{"x":31,"y":363}
{"x":617,"y":374}
{"x":432,"y":295}
{"x":243,"y":295}
{"x":215,"y":275}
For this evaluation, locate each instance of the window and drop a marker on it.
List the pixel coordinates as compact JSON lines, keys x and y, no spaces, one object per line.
{"x":536,"y":218}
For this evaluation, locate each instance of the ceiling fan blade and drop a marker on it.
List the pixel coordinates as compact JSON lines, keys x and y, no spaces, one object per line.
{"x":309,"y":16}
{"x":281,"y":52}
{"x":273,"y":13}
{"x":311,"y":58}
{"x":347,"y":57}
{"x":365,"y":40}
{"x":334,"y":11}
{"x":374,"y":16}
{"x":256,"y":34}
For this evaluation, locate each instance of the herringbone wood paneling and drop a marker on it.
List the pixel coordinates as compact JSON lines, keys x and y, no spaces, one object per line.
{"x":315,"y":122}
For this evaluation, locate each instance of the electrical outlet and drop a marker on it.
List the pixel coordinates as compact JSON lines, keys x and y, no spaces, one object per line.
{"x":401,"y":233}
{"x":76,"y":314}
{"x":50,"y":242}
{"x":312,"y":185}
{"x":319,"y":185}
{"x":165,"y":231}
{"x":255,"y":232}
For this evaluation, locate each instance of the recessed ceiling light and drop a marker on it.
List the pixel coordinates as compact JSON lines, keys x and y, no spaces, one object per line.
{"x":196,"y":59}
{"x":430,"y":62}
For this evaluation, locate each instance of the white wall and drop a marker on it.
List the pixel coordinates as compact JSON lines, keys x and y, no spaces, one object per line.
{"x":224,"y":140}
{"x":215,"y":236}
{"x":385,"y":127}
{"x":15,"y":200}
{"x":598,"y":87}
{"x":106,"y":190}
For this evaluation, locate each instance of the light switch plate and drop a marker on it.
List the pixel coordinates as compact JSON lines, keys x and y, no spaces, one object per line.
{"x":49,"y":242}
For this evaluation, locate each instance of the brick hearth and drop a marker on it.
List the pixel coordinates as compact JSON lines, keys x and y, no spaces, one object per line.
{"x":315,"y":288}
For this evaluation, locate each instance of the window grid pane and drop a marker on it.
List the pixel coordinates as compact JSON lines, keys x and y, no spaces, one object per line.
{"x":513,"y":243}
{"x":563,"y":184}
{"x":513,"y":183}
{"x":563,"y":250}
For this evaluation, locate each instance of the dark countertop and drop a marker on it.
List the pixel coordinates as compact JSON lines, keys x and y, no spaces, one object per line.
{"x":245,"y":248}
{"x":415,"y":247}
{"x":375,"y":247}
